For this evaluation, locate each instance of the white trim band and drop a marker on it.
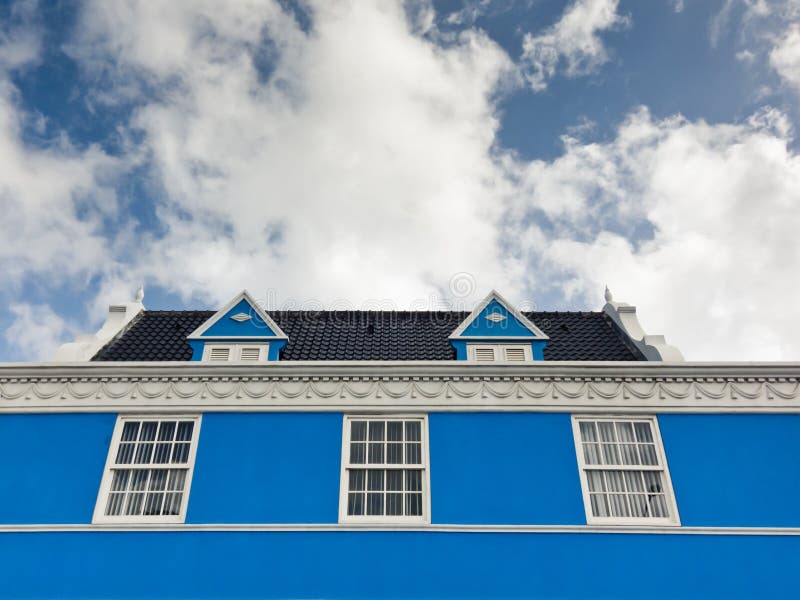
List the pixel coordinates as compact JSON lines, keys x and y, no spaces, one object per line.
{"x":435,"y":528}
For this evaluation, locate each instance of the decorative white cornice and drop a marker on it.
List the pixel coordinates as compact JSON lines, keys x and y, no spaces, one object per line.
{"x":401,"y":386}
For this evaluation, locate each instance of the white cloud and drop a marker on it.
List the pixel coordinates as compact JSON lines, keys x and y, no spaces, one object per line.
{"x":362,"y":168}
{"x":36,"y":331}
{"x":52,"y":198}
{"x":785,"y":56}
{"x":718,"y":273}
{"x":359,"y":160}
{"x":573,"y":41}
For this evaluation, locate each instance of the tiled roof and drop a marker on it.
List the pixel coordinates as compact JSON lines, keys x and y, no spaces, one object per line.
{"x":370,"y":335}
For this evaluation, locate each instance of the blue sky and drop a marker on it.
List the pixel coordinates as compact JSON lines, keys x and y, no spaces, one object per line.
{"x":403,"y":154}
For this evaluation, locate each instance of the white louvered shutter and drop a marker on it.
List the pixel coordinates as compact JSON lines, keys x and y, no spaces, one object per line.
{"x":250,"y":353}
{"x":219,"y":354}
{"x":515,"y":354}
{"x":484,"y":354}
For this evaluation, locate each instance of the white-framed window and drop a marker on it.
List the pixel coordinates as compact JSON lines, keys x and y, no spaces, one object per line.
{"x":235,"y":352}
{"x":148,"y":471}
{"x":499,"y":352}
{"x":623,"y":471}
{"x":385,"y":473}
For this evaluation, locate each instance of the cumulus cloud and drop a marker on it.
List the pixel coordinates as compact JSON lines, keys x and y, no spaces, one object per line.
{"x":785,"y":56}
{"x":574,"y":42}
{"x":360,"y":165}
{"x":719,"y":204}
{"x":36,"y":331}
{"x":53,"y":197}
{"x":357,"y":158}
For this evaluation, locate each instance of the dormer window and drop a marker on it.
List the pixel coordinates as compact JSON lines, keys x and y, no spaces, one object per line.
{"x":495,"y":331}
{"x":499,"y":352}
{"x":235,"y":352}
{"x":241,"y":331}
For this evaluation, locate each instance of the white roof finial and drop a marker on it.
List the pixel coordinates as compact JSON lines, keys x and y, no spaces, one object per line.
{"x":608,"y":295}
{"x":140,"y":294}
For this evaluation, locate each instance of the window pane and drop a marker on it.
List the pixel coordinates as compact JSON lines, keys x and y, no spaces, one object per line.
{"x":125,"y":454}
{"x":413,"y":505}
{"x":172,"y":503}
{"x":139,"y":479}
{"x":610,"y":454}
{"x":358,"y":431}
{"x":615,"y":481}
{"x":648,"y":452}
{"x":652,"y":482}
{"x":625,"y":431}
{"x":144,"y":453}
{"x":394,"y":480}
{"x":658,"y":506}
{"x":355,"y":504}
{"x":152,"y":505}
{"x":166,"y":431}
{"x":414,"y":453}
{"x":639,"y":505}
{"x":394,"y":504}
{"x":148,"y":431}
{"x":162,"y":453}
{"x":591,"y":454}
{"x":606,"y":431}
{"x":357,"y":480}
{"x":120,"y":481}
{"x":114,"y":505}
{"x":375,"y":504}
{"x":588,"y":433}
{"x":376,"y":453}
{"x":134,"y":506}
{"x":358,"y":453}
{"x":619,"y":505}
{"x":599,"y":504}
{"x":394,"y":454}
{"x":376,"y":429}
{"x":633,"y":481}
{"x":595,"y":479}
{"x":629,"y":454}
{"x":643,"y":432}
{"x":158,"y":479}
{"x":185,"y":429}
{"x":180,"y":453}
{"x":394,"y":431}
{"x":375,"y":480}
{"x":414,"y":481}
{"x":130,"y":431}
{"x":413,"y":431}
{"x":177,"y":478}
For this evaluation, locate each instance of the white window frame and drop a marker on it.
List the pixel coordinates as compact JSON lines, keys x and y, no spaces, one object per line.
{"x":235,"y":350}
{"x":425,"y":517}
{"x":669,"y":493}
{"x":105,"y":484}
{"x":499,"y":350}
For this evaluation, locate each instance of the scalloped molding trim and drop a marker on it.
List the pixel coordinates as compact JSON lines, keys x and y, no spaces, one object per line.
{"x":568,"y":387}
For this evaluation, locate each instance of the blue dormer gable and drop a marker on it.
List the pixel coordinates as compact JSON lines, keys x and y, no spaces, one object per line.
{"x":495,"y":322}
{"x":240,"y":323}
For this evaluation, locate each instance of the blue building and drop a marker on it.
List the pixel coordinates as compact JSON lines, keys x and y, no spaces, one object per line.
{"x":247,"y":453}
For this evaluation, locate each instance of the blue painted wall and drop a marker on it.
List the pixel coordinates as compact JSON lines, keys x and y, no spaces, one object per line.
{"x":504,"y":468}
{"x":267,"y":468}
{"x":734,"y":470}
{"x":508,"y":327}
{"x":51,"y":466}
{"x":396,"y":565}
{"x":255,"y":327}
{"x":491,"y":468}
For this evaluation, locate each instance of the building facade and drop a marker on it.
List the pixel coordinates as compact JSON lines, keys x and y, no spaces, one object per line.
{"x":492,"y":454}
